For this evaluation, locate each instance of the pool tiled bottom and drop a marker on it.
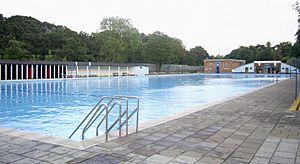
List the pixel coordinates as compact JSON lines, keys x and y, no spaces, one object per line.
{"x":253,"y":128}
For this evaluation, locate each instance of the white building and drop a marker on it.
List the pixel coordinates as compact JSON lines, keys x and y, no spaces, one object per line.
{"x":24,"y":70}
{"x":267,"y":67}
{"x":285,"y":68}
{"x":108,"y":69}
{"x":138,"y":71}
{"x":247,"y":68}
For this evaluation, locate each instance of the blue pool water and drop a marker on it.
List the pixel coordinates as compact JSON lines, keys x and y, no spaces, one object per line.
{"x":55,"y":107}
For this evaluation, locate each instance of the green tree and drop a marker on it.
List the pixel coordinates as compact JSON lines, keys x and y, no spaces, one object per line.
{"x":293,"y":61}
{"x":259,"y":52}
{"x":296,"y":46}
{"x":119,"y":40}
{"x":50,"y":56}
{"x":178,"y":51}
{"x":282,"y":51}
{"x":73,"y":50}
{"x":2,"y":35}
{"x":36,"y":57}
{"x":157,"y":49}
{"x":263,"y":52}
{"x":16,"y":50}
{"x":26,"y":38}
{"x":161,"y":49}
{"x":197,"y":55}
{"x":111,"y":47}
{"x":242,"y":53}
{"x":42,"y":37}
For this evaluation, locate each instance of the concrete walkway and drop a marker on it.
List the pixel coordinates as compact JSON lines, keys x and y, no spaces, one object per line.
{"x":254,"y":128}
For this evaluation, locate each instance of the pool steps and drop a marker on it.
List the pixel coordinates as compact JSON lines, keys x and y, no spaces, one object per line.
{"x":103,"y":109}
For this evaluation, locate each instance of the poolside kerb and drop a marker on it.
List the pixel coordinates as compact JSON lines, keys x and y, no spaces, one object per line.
{"x":256,"y":127}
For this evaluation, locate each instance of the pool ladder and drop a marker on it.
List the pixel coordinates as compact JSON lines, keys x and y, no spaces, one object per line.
{"x":100,"y":107}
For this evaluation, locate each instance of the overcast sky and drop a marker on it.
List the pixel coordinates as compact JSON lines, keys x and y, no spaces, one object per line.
{"x":217,"y":25}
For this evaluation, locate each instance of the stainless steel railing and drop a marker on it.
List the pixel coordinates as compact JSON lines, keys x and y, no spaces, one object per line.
{"x":101,"y":106}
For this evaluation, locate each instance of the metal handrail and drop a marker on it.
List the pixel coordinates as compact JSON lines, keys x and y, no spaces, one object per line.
{"x":106,"y":131}
{"x":95,"y":118}
{"x":131,"y":114}
{"x":98,"y":110}
{"x":102,"y":98}
{"x":90,"y":123}
{"x":136,"y":110}
{"x":108,"y":112}
{"x":129,"y":118}
{"x":116,"y":121}
{"x":86,"y":117}
{"x":116,"y":103}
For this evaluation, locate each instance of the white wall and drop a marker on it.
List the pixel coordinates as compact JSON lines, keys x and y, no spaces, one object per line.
{"x":139,"y":71}
{"x":95,"y":71}
{"x":242,"y":68}
{"x":285,"y":68}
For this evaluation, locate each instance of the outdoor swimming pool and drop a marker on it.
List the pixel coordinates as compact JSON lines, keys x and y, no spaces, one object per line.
{"x":55,"y":107}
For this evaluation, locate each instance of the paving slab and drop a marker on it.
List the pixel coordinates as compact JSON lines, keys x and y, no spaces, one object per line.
{"x":282,"y":160}
{"x":156,"y":158}
{"x":260,"y":160}
{"x":26,"y":161}
{"x":9,"y":158}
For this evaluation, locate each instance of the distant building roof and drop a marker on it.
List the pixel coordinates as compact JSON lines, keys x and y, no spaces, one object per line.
{"x":234,"y":60}
{"x":267,"y":61}
{"x":70,"y":63}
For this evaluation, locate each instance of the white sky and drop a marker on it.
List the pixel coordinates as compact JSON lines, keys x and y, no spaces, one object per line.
{"x":218,"y":25}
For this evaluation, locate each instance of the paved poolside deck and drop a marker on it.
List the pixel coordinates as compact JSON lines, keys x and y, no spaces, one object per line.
{"x":253,"y":128}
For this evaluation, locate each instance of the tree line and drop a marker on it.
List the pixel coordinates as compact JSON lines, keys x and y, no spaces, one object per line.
{"x":117,"y":41}
{"x":26,"y":38}
{"x":284,"y":51}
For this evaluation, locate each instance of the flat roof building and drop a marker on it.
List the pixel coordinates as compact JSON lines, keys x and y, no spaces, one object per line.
{"x":22,"y":70}
{"x":221,"y":65}
{"x":265,"y":67}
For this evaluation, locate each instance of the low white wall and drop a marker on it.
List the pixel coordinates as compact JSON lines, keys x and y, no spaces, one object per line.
{"x":97,"y":71}
{"x":285,"y":68}
{"x":242,"y":68}
{"x":139,"y":71}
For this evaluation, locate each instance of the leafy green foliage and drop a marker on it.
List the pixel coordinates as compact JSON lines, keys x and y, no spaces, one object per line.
{"x":26,"y":38}
{"x":161,"y":49}
{"x":16,"y":50}
{"x":196,"y":56}
{"x":119,"y":41}
{"x":283,"y":51}
{"x":295,"y":57}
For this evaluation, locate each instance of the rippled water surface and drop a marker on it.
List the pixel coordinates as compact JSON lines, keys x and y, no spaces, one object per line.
{"x":55,"y":107}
